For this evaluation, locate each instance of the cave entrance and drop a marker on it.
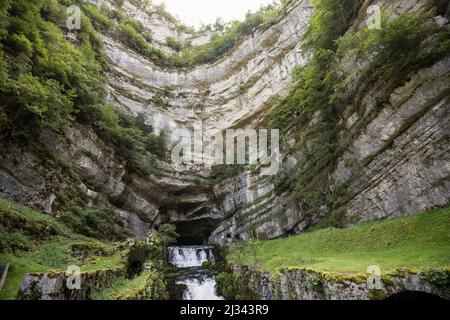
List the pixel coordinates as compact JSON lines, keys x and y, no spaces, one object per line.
{"x":135,"y":269}
{"x":414,"y":295}
{"x":136,"y":260}
{"x":195,"y":232}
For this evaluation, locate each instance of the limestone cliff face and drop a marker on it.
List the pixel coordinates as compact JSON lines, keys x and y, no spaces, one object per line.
{"x":400,"y":162}
{"x":397,"y":165}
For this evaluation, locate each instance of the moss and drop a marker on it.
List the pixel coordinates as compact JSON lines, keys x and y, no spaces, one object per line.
{"x":148,"y":286}
{"x":377,"y":294}
{"x":388,"y":280}
{"x":438,"y":277}
{"x":315,"y":280}
{"x":50,"y":247}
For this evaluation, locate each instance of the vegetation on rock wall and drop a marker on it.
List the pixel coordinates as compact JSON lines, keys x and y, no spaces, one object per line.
{"x":52,"y":79}
{"x":313,"y":109}
{"x":148,"y":286}
{"x":32,"y":241}
{"x":48,"y":83}
{"x":133,"y":34}
{"x":308,"y":107}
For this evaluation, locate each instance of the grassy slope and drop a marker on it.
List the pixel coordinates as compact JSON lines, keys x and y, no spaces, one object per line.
{"x":419,"y":241}
{"x":46,"y":252}
{"x":147,"y":286}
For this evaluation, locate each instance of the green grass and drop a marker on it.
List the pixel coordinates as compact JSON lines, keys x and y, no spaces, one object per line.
{"x":415,"y":242}
{"x":148,"y":286}
{"x":53,"y":255}
{"x":32,"y":241}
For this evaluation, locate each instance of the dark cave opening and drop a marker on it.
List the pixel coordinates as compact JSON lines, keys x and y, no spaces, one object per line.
{"x":194,"y":232}
{"x":414,"y":296}
{"x":135,"y":261}
{"x":136,"y":267}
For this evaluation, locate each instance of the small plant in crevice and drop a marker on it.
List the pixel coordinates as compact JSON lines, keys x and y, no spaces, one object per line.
{"x":439,"y":278}
{"x":314,"y":280}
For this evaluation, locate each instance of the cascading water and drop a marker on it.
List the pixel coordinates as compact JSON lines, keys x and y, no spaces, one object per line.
{"x":191,"y":256}
{"x":199,"y":283}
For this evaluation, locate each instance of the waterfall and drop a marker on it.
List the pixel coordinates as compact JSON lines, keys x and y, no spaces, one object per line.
{"x":190,"y":256}
{"x":200,"y":287}
{"x":199,"y":283}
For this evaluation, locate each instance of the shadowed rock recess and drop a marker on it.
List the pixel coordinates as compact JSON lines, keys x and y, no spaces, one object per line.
{"x":380,"y":150}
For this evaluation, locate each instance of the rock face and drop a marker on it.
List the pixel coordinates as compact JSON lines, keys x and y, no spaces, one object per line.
{"x":405,"y":152}
{"x":53,"y":286}
{"x":399,"y":163}
{"x":309,"y":285}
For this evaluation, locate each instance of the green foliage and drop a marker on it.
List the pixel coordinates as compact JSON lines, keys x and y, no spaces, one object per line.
{"x":309,"y":107}
{"x":21,"y":227}
{"x":334,"y":218}
{"x":99,"y":20}
{"x":46,"y":80}
{"x":403,"y":45}
{"x":314,"y":279}
{"x":52,"y":254}
{"x":437,"y":277}
{"x":131,"y":136}
{"x":236,"y":285}
{"x":222,"y":43}
{"x":168,"y":233}
{"x":128,"y":35}
{"x":253,"y":250}
{"x":237,"y":252}
{"x":159,"y":241}
{"x":148,"y":286}
{"x":12,"y":241}
{"x":49,"y":83}
{"x":314,"y":105}
{"x":133,"y":34}
{"x":162,"y":11}
{"x":330,"y":20}
{"x":99,"y":222}
{"x":226,"y":285}
{"x":418,"y":241}
{"x":32,"y":241}
{"x":175,"y":44}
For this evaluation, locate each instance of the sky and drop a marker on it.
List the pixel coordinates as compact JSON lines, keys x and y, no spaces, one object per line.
{"x":194,"y":12}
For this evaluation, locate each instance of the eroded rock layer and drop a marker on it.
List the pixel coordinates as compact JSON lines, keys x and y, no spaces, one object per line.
{"x":397,"y":165}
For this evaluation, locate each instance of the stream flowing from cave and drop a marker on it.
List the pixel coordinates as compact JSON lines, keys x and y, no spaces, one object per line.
{"x":198,"y":283}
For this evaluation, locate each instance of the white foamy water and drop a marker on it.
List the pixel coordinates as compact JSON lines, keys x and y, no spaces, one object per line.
{"x":200,"y":289}
{"x":200,"y":284}
{"x":191,"y":256}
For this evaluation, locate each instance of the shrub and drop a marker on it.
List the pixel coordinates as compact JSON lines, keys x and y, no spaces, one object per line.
{"x":314,"y":280}
{"x":174,"y":44}
{"x":99,"y":222}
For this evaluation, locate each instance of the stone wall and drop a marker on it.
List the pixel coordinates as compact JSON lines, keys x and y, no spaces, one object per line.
{"x":53,"y":285}
{"x":311,"y":285}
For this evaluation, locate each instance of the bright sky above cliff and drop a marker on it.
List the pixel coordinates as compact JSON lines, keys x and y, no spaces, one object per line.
{"x":194,"y":12}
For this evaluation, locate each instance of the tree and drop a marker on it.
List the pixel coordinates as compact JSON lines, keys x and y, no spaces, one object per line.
{"x":253,"y":249}
{"x":168,"y":235}
{"x":219,"y":25}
